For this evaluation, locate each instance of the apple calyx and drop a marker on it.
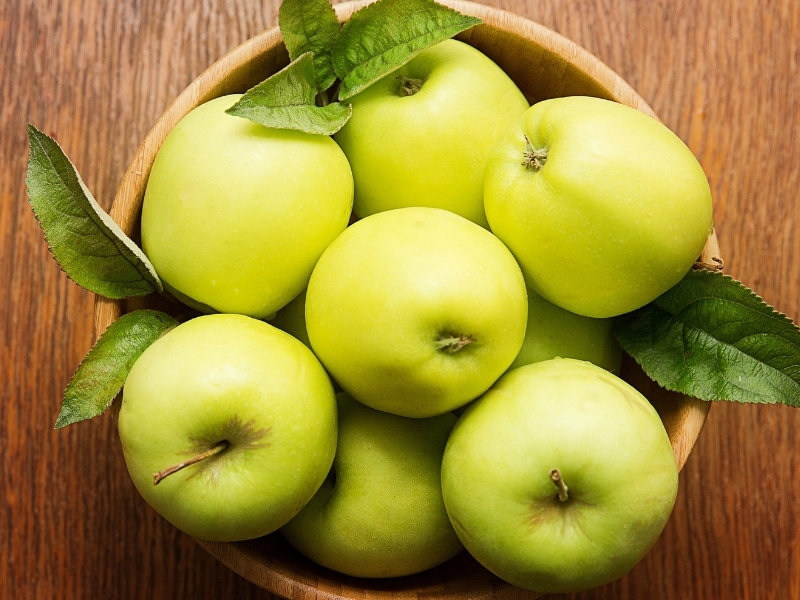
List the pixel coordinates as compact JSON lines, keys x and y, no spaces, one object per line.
{"x":452,"y":343}
{"x":409,"y":85}
{"x":533,"y":158}
{"x":555,"y":477}
{"x":213,"y":451}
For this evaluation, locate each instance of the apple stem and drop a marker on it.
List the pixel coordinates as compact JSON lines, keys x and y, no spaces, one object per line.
{"x":555,"y":476}
{"x":533,"y":158}
{"x":408,"y":85}
{"x":453,"y":343}
{"x":158,"y":477}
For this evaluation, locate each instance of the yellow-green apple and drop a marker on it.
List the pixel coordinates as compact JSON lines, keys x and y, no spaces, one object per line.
{"x":420,"y":136}
{"x":380,"y":513}
{"x":235,"y":214}
{"x":560,"y":478}
{"x":416,"y":311}
{"x":228,"y":426}
{"x":553,"y":332}
{"x":603,"y":206}
{"x":292,"y":318}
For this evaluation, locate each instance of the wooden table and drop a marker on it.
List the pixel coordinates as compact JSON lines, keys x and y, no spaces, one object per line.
{"x":723,"y":74}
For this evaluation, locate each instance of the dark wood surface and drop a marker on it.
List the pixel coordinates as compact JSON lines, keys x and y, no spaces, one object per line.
{"x":95,"y":74}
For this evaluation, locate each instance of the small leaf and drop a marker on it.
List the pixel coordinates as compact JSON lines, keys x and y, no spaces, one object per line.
{"x":310,"y":26}
{"x":712,"y":338}
{"x":86,"y":243}
{"x":102,"y":372}
{"x":286,"y":101}
{"x":383,"y":36}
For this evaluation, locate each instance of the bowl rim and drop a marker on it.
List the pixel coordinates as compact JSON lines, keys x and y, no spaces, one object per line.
{"x":243,"y":557}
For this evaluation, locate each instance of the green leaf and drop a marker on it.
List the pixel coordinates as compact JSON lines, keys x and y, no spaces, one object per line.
{"x":383,"y":36}
{"x":712,"y":338}
{"x":86,"y":243}
{"x":102,"y":372}
{"x":310,"y":26}
{"x":286,"y":101}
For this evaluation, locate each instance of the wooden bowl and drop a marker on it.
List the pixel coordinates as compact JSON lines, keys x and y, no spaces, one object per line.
{"x":544,"y":64}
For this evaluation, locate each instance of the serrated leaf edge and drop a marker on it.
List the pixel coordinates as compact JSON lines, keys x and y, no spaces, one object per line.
{"x":293,"y":55}
{"x":347,"y":91}
{"x":244,"y":111}
{"x":771,"y":313}
{"x":118,"y":236}
{"x":64,"y":416}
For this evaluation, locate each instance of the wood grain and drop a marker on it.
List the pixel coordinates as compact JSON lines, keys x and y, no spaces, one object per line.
{"x":96,"y":74}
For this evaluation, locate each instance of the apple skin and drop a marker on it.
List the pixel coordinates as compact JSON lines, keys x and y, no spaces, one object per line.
{"x":395,"y":286}
{"x":613,"y":454}
{"x":380,"y":513}
{"x":430,"y":148}
{"x":228,"y":377}
{"x":292,"y":318}
{"x":235,"y":215}
{"x":617,"y":215}
{"x":553,"y":332}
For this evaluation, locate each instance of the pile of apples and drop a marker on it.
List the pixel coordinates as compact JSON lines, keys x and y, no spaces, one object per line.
{"x":404,"y":346}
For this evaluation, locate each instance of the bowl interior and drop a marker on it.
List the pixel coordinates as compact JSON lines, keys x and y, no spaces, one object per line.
{"x":544,"y":64}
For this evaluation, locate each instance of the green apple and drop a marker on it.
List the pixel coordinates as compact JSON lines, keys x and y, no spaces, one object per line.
{"x":416,"y":311}
{"x":228,"y":426}
{"x":553,"y":332}
{"x":603,"y":206}
{"x":380,"y":513}
{"x":560,"y":478}
{"x":421,"y":135}
{"x":292,"y":318}
{"x":235,"y":215}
